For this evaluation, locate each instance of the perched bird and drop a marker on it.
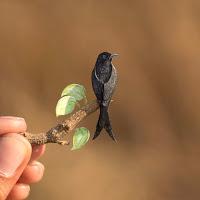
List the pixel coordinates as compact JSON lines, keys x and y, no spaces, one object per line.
{"x":104,"y":78}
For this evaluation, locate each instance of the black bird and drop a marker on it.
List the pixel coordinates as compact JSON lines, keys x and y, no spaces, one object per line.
{"x":104,"y":78}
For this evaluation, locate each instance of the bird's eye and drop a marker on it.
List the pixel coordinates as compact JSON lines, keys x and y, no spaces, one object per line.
{"x":104,"y":56}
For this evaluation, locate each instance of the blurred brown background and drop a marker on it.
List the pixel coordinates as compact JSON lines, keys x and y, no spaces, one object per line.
{"x":45,"y":45}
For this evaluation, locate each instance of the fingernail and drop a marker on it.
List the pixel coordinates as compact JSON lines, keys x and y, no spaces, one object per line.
{"x":12,"y":154}
{"x":38,"y":167}
{"x":12,"y":118}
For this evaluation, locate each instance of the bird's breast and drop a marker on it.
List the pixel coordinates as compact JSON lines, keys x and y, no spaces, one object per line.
{"x":103,"y":73}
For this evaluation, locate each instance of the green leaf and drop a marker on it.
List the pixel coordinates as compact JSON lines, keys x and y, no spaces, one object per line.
{"x":80,"y":138}
{"x":65,"y":105}
{"x":75,"y":90}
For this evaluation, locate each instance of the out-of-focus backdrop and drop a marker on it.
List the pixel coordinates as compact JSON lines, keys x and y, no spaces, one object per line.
{"x":46,"y":45}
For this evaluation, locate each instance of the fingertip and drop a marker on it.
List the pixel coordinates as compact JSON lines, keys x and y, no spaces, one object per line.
{"x":19,"y":191}
{"x":9,"y":124}
{"x":23,"y":140}
{"x":32,"y":173}
{"x":37,"y":151}
{"x":15,"y":153}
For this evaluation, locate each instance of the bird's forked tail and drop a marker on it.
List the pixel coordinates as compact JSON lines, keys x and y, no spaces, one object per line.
{"x":104,"y":122}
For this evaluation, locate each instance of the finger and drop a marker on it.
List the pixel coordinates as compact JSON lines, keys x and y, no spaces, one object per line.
{"x":12,"y":124}
{"x":19,"y":191}
{"x":37,"y":151}
{"x":15,"y":154}
{"x":32,"y":173}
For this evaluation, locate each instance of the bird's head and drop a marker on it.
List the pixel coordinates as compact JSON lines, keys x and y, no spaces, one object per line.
{"x":105,"y":58}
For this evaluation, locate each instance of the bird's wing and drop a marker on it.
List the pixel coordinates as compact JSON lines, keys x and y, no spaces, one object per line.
{"x":109,"y":87}
{"x":97,"y":86}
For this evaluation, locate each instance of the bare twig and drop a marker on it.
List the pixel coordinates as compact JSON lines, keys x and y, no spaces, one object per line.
{"x":57,"y":133}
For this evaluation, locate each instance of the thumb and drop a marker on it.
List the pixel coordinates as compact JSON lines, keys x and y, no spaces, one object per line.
{"x":15,"y":152}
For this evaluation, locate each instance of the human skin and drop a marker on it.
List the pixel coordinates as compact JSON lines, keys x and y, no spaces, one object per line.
{"x":18,"y":160}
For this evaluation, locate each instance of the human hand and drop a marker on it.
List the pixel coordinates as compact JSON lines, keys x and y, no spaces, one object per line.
{"x":18,"y":165}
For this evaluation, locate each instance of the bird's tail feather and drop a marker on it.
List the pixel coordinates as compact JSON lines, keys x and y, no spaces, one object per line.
{"x":104,"y":122}
{"x":108,"y":128}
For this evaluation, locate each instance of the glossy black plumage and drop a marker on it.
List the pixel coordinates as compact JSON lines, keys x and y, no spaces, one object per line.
{"x":104,"y":78}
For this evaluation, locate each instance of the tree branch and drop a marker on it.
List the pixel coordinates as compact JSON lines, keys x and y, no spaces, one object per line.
{"x":57,"y":133}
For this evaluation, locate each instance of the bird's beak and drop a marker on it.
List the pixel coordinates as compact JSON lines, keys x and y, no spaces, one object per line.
{"x":113,"y":55}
